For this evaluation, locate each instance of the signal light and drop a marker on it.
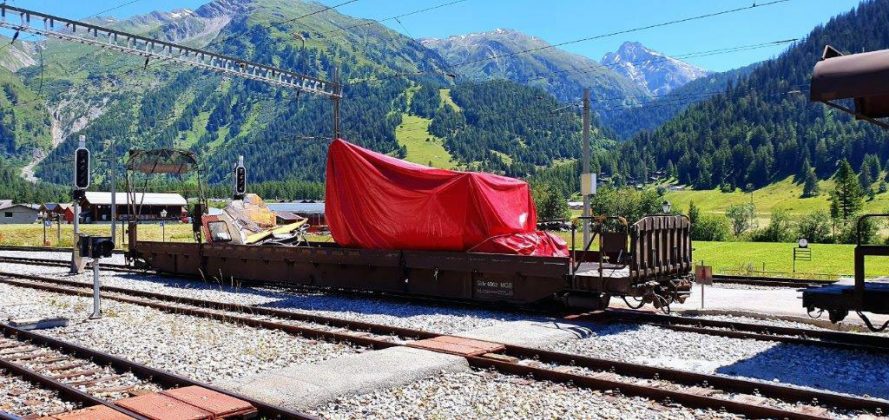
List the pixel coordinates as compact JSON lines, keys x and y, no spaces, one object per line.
{"x":96,"y":246}
{"x":240,"y":179}
{"x":82,"y":168}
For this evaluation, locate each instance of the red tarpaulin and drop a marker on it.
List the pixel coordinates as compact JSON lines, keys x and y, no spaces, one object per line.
{"x":380,"y":202}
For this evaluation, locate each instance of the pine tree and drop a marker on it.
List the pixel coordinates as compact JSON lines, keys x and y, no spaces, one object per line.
{"x":810,"y":184}
{"x":694,"y":213}
{"x":864,"y":178}
{"x":847,"y":197}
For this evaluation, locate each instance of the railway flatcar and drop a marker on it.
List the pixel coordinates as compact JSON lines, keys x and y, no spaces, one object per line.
{"x":857,"y":84}
{"x":649,"y":261}
{"x":653,"y":267}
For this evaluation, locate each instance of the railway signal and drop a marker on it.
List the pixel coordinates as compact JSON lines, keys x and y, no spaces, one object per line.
{"x":81,"y":167}
{"x":96,"y":247}
{"x":240,"y":179}
{"x":81,"y":183}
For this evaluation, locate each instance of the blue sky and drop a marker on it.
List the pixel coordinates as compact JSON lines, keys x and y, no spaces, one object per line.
{"x":561,"y":20}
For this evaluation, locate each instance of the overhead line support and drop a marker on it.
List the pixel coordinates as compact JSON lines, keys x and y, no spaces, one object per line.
{"x":87,"y":33}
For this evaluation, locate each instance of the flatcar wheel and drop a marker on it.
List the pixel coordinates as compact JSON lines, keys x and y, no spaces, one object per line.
{"x":811,"y":311}
{"x":837,"y":315}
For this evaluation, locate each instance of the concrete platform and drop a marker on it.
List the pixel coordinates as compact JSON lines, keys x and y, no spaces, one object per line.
{"x":306,"y":386}
{"x":529,"y":333}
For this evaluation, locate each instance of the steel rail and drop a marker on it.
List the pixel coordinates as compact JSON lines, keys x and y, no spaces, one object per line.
{"x":736,"y":329}
{"x":157,"y":376}
{"x":730,"y":329}
{"x":770,"y":281}
{"x":623,"y":368}
{"x":726,"y":383}
{"x":66,"y":392}
{"x":43,"y":249}
{"x":645,"y":391}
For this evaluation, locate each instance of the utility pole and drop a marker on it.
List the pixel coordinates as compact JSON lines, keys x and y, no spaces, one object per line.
{"x":112,"y":166}
{"x":586,"y":164}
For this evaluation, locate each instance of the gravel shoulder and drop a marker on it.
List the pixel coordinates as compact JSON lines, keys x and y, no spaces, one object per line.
{"x":485,"y":394}
{"x":845,"y":371}
{"x":201,"y":349}
{"x":440,"y":319}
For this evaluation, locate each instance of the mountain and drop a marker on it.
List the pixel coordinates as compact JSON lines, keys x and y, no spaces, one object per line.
{"x":106,"y":96}
{"x":562,"y":74}
{"x":620,"y":85}
{"x":655,"y":72}
{"x":660,"y":109}
{"x":763,"y":127}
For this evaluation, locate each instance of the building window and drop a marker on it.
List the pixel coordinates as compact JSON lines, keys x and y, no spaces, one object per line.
{"x":7,"y":215}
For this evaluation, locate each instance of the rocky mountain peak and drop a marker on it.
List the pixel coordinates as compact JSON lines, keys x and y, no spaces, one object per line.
{"x":654,"y":71}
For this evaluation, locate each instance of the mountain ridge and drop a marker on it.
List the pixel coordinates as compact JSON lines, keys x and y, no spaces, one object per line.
{"x":657,"y":72}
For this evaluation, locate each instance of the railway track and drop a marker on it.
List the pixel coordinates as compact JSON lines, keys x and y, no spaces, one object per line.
{"x":770,"y":281}
{"x":730,"y":329}
{"x":736,"y":395}
{"x":736,"y":329}
{"x":92,"y":378}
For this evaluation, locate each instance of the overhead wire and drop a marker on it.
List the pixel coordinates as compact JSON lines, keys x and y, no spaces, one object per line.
{"x":585,"y":39}
{"x":404,"y":15}
{"x":324,"y":9}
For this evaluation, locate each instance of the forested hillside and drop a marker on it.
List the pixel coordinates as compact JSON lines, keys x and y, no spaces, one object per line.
{"x":501,"y":127}
{"x":654,"y":112}
{"x":495,"y":55}
{"x":504,"y":127}
{"x":220,"y":118}
{"x":763,"y":127}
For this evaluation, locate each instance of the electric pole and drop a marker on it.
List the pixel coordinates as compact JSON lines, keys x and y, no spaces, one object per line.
{"x":586,"y":165}
{"x":112,"y":167}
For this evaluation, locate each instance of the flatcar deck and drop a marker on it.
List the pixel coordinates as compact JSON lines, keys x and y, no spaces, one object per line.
{"x":875,"y":298}
{"x":611,"y":271}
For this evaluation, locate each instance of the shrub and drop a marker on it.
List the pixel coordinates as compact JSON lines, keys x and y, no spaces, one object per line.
{"x":710,"y":228}
{"x":780,"y":229}
{"x":551,"y":204}
{"x":742,"y":217}
{"x":815,"y":227}
{"x":627,"y":202}
{"x":849,"y":232}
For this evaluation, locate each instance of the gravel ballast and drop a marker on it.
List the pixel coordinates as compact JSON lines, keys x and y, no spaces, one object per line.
{"x":846,"y":371}
{"x":22,"y":398}
{"x":201,"y":349}
{"x":485,"y":394}
{"x":440,"y":319}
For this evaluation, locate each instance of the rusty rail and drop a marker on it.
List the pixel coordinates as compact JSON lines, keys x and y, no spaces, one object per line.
{"x":157,"y":376}
{"x":735,"y":329}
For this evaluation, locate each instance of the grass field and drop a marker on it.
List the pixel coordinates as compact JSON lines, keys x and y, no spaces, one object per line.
{"x":422,"y":147}
{"x":783,"y":195}
{"x":828,"y":260}
{"x":32,"y":235}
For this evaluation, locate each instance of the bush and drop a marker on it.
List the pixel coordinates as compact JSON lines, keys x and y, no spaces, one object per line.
{"x":815,"y":227}
{"x":551,"y":204}
{"x":627,"y":202}
{"x":780,"y":229}
{"x":849,"y":232}
{"x":742,"y":217}
{"x":710,"y":228}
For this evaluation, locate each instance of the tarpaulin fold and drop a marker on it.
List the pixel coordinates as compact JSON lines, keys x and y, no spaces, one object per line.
{"x":376,"y":201}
